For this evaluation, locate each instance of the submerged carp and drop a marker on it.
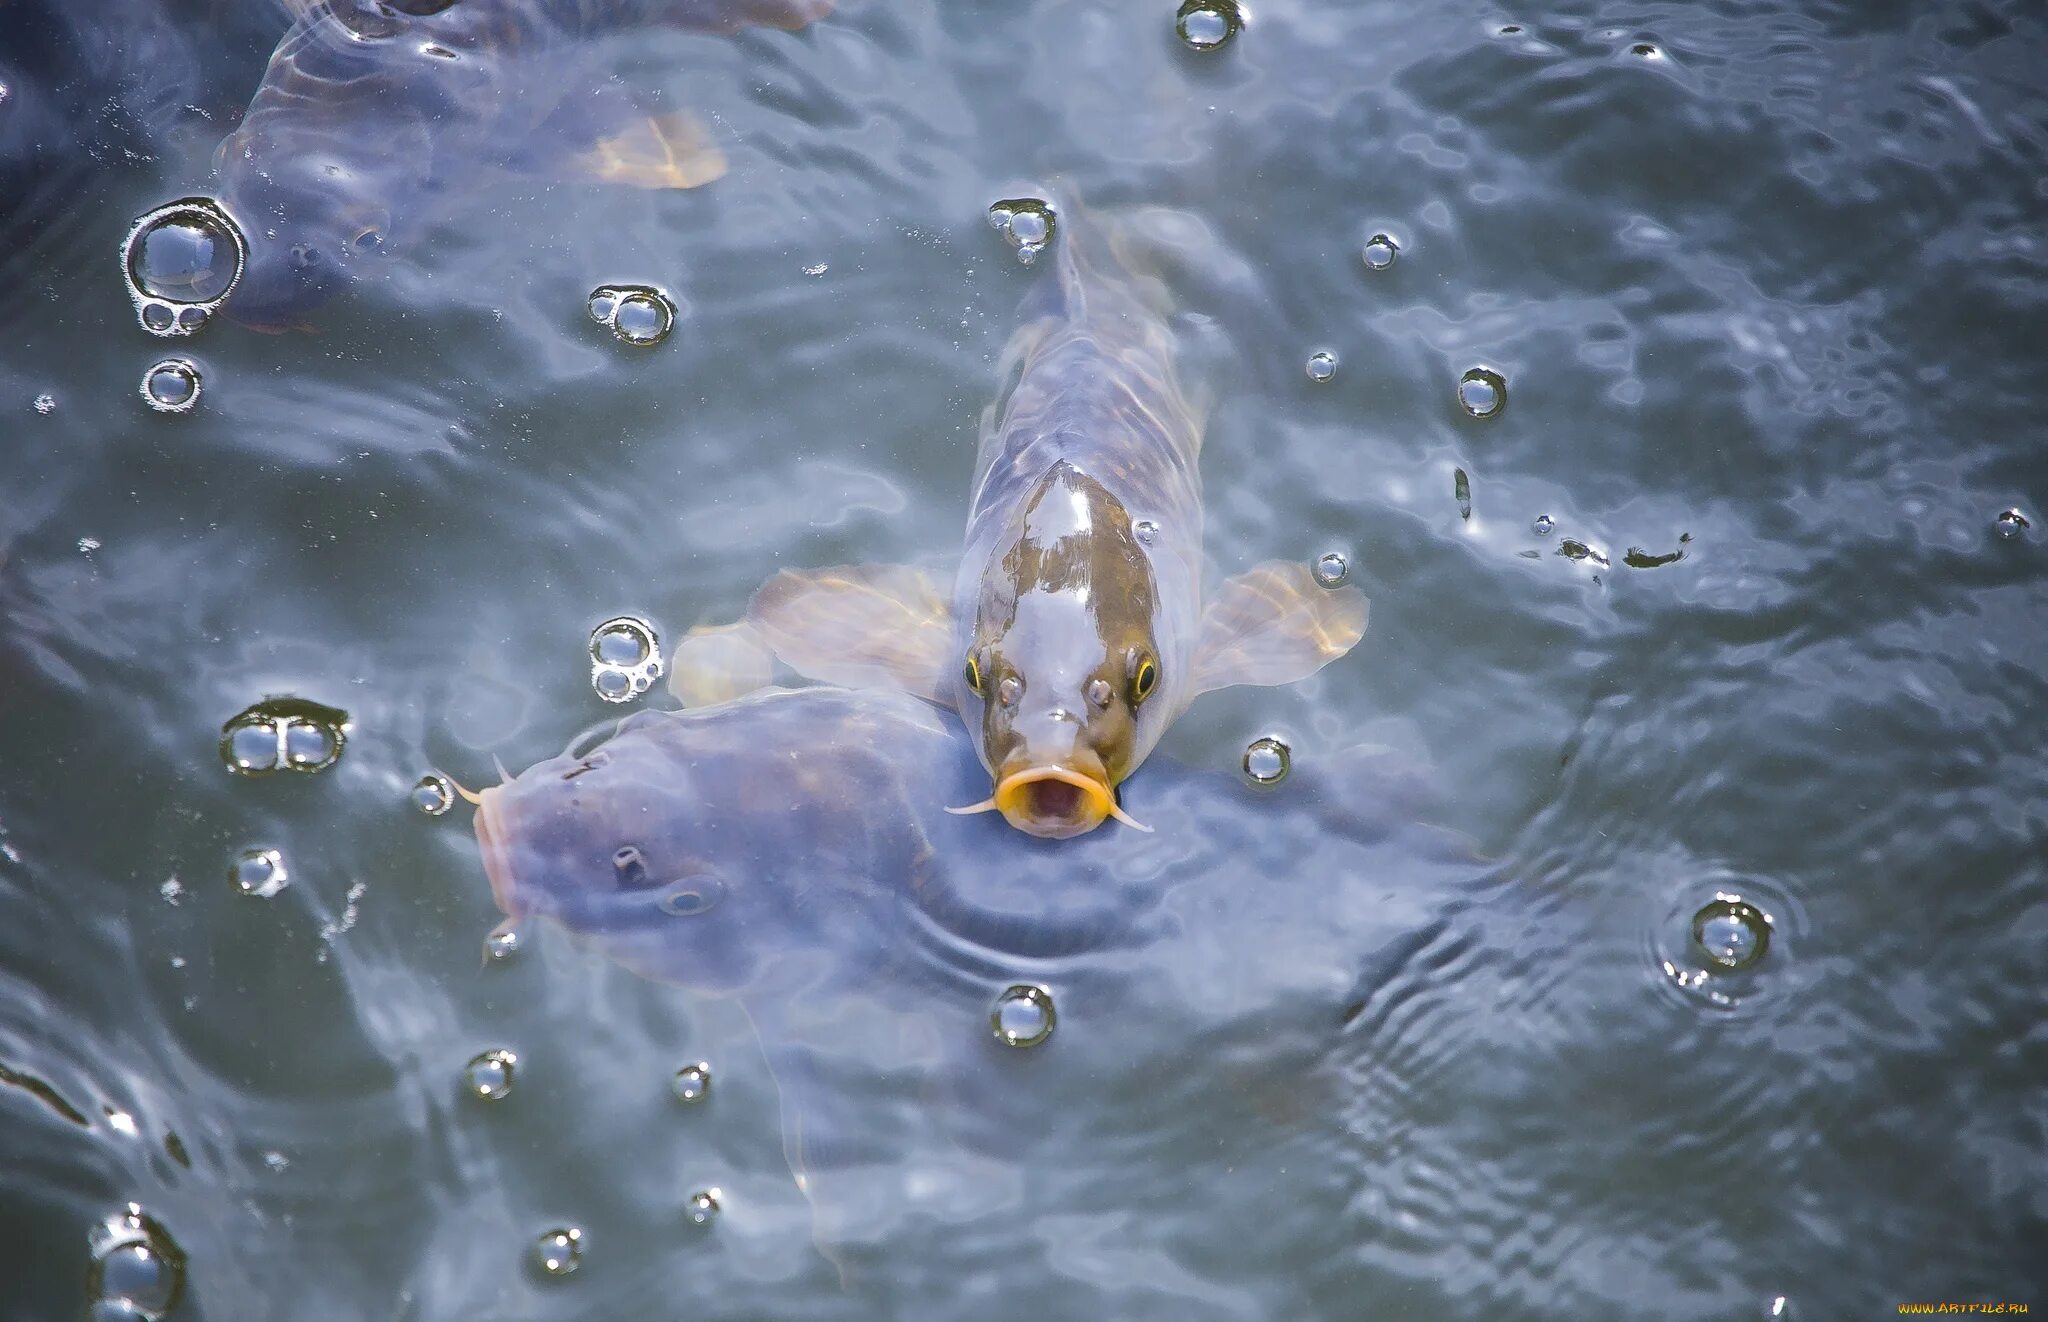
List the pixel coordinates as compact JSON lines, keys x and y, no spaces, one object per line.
{"x":790,"y":850}
{"x":371,"y":109}
{"x":1077,"y":629}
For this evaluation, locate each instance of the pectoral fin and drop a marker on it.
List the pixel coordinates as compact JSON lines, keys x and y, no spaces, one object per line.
{"x":1274,"y":624}
{"x":717,"y":663}
{"x":864,"y":626}
{"x":670,"y":150}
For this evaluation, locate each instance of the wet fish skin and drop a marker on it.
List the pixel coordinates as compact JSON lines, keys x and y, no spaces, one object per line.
{"x":369,"y":111}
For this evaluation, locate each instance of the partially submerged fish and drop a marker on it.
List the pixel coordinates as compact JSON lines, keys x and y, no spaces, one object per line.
{"x":790,"y":850}
{"x":1077,"y":629}
{"x":371,"y":109}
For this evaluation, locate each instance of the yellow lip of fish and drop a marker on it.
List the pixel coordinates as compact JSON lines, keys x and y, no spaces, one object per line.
{"x":1053,"y":802}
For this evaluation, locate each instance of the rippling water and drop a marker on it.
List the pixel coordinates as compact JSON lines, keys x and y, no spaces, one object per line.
{"x":1715,"y":603}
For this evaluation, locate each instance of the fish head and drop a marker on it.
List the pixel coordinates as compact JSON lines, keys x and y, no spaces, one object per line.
{"x":312,"y":220}
{"x":1063,"y":669}
{"x":703,"y":847}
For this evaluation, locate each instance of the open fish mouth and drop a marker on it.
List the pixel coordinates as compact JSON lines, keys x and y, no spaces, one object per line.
{"x":1055,"y":802}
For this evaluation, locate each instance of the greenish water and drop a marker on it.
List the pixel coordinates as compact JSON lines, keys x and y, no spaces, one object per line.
{"x":1764,"y":284}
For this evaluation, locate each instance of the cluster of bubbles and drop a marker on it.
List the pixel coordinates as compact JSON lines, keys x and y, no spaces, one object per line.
{"x":1206,"y":25}
{"x":1322,"y":365}
{"x":171,"y":386}
{"x":138,"y":1270}
{"x":182,"y":260}
{"x":1028,"y":224}
{"x":1267,"y":761}
{"x":1023,"y":1015}
{"x":283,"y":734}
{"x":259,"y":872}
{"x":625,"y":658}
{"x":636,"y":314}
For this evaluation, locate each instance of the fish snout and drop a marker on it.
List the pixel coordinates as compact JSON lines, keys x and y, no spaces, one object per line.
{"x":1054,"y":793}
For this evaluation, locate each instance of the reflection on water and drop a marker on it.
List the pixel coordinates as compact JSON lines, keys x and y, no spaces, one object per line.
{"x":1730,"y":669}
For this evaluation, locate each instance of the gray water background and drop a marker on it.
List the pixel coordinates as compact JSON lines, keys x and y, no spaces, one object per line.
{"x":1775,"y":287}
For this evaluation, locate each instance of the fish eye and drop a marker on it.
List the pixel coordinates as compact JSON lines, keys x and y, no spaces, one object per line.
{"x":1144,"y":680}
{"x":1099,"y":693}
{"x":974,"y":673}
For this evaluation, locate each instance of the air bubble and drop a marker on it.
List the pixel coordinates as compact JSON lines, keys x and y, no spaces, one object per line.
{"x":1267,"y":761}
{"x":559,"y":1252}
{"x":2011,"y":524}
{"x":182,"y":261}
{"x":1461,"y":491}
{"x":1023,"y":1016}
{"x":433,"y":794}
{"x":488,"y":1075}
{"x":503,"y":943}
{"x":46,"y":404}
{"x":259,"y":872}
{"x":283,"y":734}
{"x":625,"y":658}
{"x":1482,"y":392}
{"x":692,"y":1083}
{"x":1379,"y":252}
{"x":136,"y":1266}
{"x":702,"y":1207}
{"x":1208,"y":24}
{"x":1543,"y":524}
{"x":1730,"y":933}
{"x":171,"y":386}
{"x":637,"y":314}
{"x":1027,"y":223}
{"x":1332,"y":569}
{"x":1322,"y":365}
{"x":1146,"y":530}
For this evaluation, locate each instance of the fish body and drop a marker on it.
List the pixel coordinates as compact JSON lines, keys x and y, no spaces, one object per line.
{"x":1077,"y":629}
{"x":371,"y":110}
{"x":790,"y":850}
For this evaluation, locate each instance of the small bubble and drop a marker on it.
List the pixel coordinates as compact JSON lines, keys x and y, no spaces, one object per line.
{"x":2011,"y":524}
{"x":625,"y":658}
{"x":46,"y":404}
{"x":1482,"y":392}
{"x":1023,"y":1016}
{"x":136,"y":1264}
{"x":172,"y":890}
{"x":603,"y":302}
{"x":171,"y":386}
{"x":433,"y":794}
{"x":1731,"y":933}
{"x":1267,"y":761}
{"x":693,"y":1082}
{"x":1543,"y":524}
{"x":559,"y":1252}
{"x":276,"y":1161}
{"x":816,"y":269}
{"x":1332,"y":569}
{"x":87,"y":545}
{"x":259,"y":872}
{"x":702,"y":1208}
{"x":283,"y":734}
{"x":1027,"y":223}
{"x":1322,"y":365}
{"x":502,"y":943}
{"x":1146,"y":530}
{"x":643,"y":318}
{"x":187,"y":254}
{"x":1208,"y":24}
{"x":489,"y":1074}
{"x":1380,"y":252}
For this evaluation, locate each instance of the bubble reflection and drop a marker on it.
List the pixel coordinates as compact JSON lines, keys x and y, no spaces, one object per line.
{"x":182,"y":261}
{"x":625,"y":658}
{"x":1028,"y":224}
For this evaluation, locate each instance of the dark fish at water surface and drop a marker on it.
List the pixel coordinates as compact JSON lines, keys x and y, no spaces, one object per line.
{"x":371,"y":110}
{"x":790,"y":850}
{"x":1077,"y":629}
